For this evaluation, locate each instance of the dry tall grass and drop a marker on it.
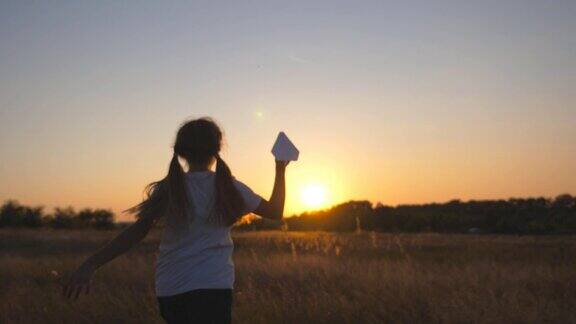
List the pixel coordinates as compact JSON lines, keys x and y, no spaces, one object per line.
{"x":309,"y":278}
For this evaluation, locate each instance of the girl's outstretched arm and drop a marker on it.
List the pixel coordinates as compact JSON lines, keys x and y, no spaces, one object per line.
{"x":79,"y":282}
{"x":274,"y":208}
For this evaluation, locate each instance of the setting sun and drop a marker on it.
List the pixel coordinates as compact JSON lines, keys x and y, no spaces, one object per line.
{"x":314,"y":196}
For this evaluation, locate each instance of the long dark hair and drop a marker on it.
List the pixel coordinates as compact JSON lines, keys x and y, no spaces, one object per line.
{"x":198,"y":141}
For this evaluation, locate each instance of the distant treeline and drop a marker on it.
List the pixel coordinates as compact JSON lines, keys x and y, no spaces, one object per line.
{"x":13,"y":214}
{"x":513,"y":216}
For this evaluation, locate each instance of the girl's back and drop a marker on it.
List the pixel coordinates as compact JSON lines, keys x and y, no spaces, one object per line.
{"x":198,"y":254}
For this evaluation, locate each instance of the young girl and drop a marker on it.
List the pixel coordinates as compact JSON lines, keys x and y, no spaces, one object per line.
{"x":194,"y":269}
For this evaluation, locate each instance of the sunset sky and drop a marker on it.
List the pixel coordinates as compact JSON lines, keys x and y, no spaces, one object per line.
{"x":390,"y":101}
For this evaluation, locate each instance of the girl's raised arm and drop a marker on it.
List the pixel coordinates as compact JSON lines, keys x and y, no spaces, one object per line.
{"x":274,"y":208}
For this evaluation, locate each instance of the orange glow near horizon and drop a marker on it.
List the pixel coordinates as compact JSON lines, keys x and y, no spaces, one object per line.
{"x":387,"y":102}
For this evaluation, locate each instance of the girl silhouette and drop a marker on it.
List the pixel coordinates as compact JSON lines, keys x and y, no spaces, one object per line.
{"x":194,"y":270}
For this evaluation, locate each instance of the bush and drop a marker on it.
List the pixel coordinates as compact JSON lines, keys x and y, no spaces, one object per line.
{"x":103,"y":219}
{"x":63,"y":218}
{"x":13,"y":214}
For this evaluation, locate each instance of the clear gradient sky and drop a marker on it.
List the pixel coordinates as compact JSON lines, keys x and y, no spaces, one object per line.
{"x":391,"y":101}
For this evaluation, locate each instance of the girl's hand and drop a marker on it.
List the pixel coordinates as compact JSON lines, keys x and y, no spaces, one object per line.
{"x":281,"y":164}
{"x":79,"y":282}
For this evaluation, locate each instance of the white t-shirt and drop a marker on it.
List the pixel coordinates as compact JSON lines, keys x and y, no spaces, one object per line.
{"x":199,"y":256}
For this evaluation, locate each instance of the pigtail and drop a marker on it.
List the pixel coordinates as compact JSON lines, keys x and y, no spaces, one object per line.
{"x":178,"y":201}
{"x":167,"y":196}
{"x":229,"y":204}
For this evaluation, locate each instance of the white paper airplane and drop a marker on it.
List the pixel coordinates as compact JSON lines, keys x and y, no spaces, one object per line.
{"x":284,"y":150}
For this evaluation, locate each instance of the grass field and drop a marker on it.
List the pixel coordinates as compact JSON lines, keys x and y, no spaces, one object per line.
{"x":287,"y":277}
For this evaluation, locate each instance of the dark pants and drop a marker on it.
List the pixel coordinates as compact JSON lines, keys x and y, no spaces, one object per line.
{"x":197,"y":306}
